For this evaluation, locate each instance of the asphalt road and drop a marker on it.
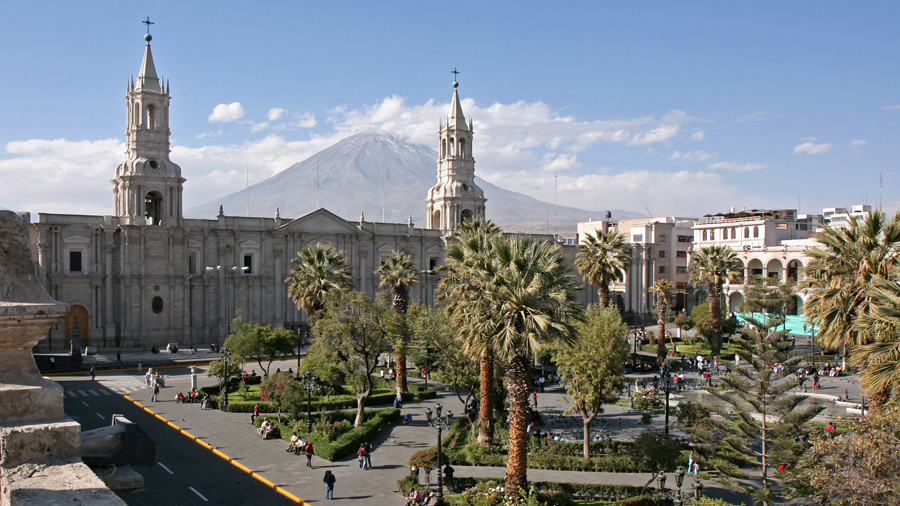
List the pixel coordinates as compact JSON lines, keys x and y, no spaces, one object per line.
{"x":185,"y":472}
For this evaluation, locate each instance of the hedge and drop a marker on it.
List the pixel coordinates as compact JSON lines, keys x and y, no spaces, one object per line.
{"x":347,"y":443}
{"x":344,"y":402}
{"x":580,"y":491}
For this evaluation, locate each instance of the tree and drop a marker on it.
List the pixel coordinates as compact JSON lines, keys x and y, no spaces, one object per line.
{"x":702,"y":321}
{"x":602,"y":259}
{"x":655,"y":449}
{"x":759,"y":421}
{"x":840,"y":275}
{"x":317,"y":270}
{"x":250,"y":341}
{"x":217,"y":370}
{"x":712,"y":266}
{"x":661,"y":288}
{"x":769,"y":296}
{"x":858,"y":468}
{"x":880,"y":360}
{"x":592,"y":367}
{"x":435,"y":337}
{"x":530,"y":300}
{"x":359,"y":330}
{"x":399,"y":272}
{"x":467,"y":258}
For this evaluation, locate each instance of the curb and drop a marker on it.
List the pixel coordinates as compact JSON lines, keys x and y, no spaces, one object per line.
{"x":222,"y":455}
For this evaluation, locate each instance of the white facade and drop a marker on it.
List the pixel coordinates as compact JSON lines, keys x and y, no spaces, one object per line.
{"x":839,"y":217}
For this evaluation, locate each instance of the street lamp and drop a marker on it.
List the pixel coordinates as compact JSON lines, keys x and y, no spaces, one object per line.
{"x":226,"y":356}
{"x":677,"y":496}
{"x":664,"y":381}
{"x":440,"y":424}
{"x":427,"y":273}
{"x":309,"y":381}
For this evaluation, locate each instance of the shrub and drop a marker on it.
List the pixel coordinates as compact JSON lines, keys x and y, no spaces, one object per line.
{"x":645,"y":398}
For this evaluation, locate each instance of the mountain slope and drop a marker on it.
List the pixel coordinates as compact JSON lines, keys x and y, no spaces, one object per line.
{"x":350,"y":182}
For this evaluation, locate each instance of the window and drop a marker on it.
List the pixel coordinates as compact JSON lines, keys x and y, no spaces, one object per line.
{"x":638,"y":238}
{"x":248,"y":264}
{"x":685,"y":238}
{"x":74,"y":261}
{"x":662,"y":269}
{"x":704,"y":235}
{"x":192,"y":263}
{"x":756,"y":272}
{"x":781,"y":226}
{"x":746,"y":232}
{"x":755,"y":232}
{"x":734,"y":233}
{"x":803,"y":226}
{"x":681,"y":270}
{"x":681,"y":254}
{"x":662,"y":253}
{"x":157,"y":305}
{"x":712,"y":235}
{"x":662,"y":237}
{"x":432,"y":263}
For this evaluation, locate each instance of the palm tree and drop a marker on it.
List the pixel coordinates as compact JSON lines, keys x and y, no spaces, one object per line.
{"x":712,"y":266}
{"x":465,"y":259}
{"x":602,"y":259}
{"x":841,"y":272}
{"x":661,"y":288}
{"x":317,"y":269}
{"x":530,"y":299}
{"x":880,"y":360}
{"x":399,"y":272}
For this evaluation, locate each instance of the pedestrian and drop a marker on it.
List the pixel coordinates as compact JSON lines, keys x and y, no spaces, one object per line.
{"x":368,"y":455}
{"x":696,"y":468}
{"x":309,"y":453}
{"x":691,"y":462}
{"x":52,"y":363}
{"x":255,"y":413}
{"x":737,"y":360}
{"x":448,"y":475}
{"x":93,"y":373}
{"x":155,"y":392}
{"x":119,"y":359}
{"x":534,"y":398}
{"x":329,"y":480}
{"x":830,"y":430}
{"x":361,"y":456}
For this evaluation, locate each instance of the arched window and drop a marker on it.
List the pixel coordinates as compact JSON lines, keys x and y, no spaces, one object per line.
{"x":443,"y":148}
{"x":436,"y":219}
{"x":462,"y":147}
{"x":746,"y":232}
{"x":733,"y":233}
{"x":137,"y":114}
{"x":151,"y":117}
{"x":712,"y":235}
{"x":704,"y":235}
{"x":465,"y":215}
{"x":452,"y":146}
{"x":153,"y":208}
{"x":755,"y":232}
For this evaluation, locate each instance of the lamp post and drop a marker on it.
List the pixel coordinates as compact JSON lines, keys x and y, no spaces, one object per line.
{"x":666,"y":380}
{"x":233,"y":270}
{"x":226,"y":356}
{"x":427,"y":273}
{"x":677,"y":496}
{"x":440,"y":424}
{"x":309,"y":381}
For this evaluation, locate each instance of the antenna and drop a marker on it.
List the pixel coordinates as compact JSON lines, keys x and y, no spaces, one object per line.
{"x":317,"y":186}
{"x":648,"y":211}
{"x":880,"y":188}
{"x":248,"y":190}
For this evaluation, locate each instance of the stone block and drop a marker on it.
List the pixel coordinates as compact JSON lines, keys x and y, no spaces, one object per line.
{"x":31,"y":403}
{"x":69,"y":482}
{"x":40,"y":442}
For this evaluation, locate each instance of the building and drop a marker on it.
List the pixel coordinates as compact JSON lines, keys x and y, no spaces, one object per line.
{"x":147,"y":276}
{"x":660,"y":248}
{"x":839,"y":217}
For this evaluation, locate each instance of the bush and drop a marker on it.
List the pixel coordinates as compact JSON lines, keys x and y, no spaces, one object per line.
{"x":338,"y":402}
{"x":478,"y":491}
{"x":645,"y":398}
{"x":655,"y":449}
{"x":346,"y":443}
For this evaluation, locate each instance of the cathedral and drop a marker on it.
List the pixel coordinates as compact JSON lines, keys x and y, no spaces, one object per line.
{"x":147,"y":276}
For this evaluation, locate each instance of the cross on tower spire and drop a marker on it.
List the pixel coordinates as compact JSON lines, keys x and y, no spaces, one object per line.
{"x":148,"y":23}
{"x":454,"y":71}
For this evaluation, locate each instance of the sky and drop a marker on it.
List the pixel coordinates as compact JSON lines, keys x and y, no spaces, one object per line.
{"x":672,"y":108}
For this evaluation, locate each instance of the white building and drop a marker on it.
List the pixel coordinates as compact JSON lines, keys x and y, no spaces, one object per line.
{"x":839,"y":217}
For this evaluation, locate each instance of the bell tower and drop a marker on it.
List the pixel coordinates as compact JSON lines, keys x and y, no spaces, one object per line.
{"x":148,"y":186}
{"x":455,"y":198}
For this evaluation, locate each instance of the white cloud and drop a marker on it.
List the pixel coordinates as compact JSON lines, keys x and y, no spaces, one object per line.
{"x":811,"y":148}
{"x":738,"y":167}
{"x":275,"y":113}
{"x":225,"y":113}
{"x":891,"y":107}
{"x":858,"y":142}
{"x":305,"y":120}
{"x":754,"y":116}
{"x":691,"y":156}
{"x":699,"y":135}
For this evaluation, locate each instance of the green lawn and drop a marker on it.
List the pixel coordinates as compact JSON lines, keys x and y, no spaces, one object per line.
{"x":692,"y":350}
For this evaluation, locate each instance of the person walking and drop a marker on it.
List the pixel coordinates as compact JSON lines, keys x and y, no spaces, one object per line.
{"x":155,"y":392}
{"x":329,"y":480}
{"x":361,"y":456}
{"x":448,"y":476}
{"x":308,"y":449}
{"x":255,"y":413}
{"x":52,"y":363}
{"x":119,"y":359}
{"x":93,"y":373}
{"x":368,"y":455}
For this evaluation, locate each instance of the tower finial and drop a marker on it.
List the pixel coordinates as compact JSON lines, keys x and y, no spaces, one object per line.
{"x":147,"y":22}
{"x":454,"y":72}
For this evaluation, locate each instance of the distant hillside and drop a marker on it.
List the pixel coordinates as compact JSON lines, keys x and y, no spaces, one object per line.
{"x":351,"y":174}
